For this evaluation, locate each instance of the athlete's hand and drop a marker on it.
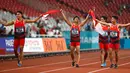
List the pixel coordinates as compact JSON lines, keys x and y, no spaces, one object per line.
{"x":41,"y":15}
{"x":97,"y":20}
{"x":61,"y":10}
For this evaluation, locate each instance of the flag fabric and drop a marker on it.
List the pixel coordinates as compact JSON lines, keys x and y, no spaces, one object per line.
{"x":97,"y":26}
{"x":49,"y":12}
{"x":52,"y":11}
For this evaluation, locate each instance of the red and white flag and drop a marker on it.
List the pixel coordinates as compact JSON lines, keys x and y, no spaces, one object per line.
{"x":97,"y":26}
{"x":49,"y":12}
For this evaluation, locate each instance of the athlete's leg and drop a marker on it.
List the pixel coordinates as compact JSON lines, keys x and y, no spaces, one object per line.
{"x":72,"y":48}
{"x":78,"y":55}
{"x":21,"y":54}
{"x":101,"y":45}
{"x":111,"y":57}
{"x":22,"y":41}
{"x":106,"y":55}
{"x":116,"y":55}
{"x":102,"y":56}
{"x":16,"y":45}
{"x":106,"y":51}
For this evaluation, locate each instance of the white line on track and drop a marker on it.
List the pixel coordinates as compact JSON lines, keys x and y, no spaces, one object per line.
{"x":43,"y":65}
{"x":72,"y":67}
{"x":7,"y":70}
{"x":107,"y":68}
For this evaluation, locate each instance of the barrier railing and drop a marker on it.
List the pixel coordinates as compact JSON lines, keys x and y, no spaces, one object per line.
{"x":34,"y":45}
{"x":88,"y":39}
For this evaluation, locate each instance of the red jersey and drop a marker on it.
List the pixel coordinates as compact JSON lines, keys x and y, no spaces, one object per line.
{"x":19,"y":29}
{"x":114,"y":34}
{"x":104,"y":38}
{"x":75,"y":33}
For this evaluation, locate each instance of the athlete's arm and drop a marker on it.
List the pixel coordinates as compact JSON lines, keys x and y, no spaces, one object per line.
{"x":7,"y":24}
{"x":83,"y":23}
{"x":32,"y":21}
{"x":123,"y":25}
{"x":104,"y":23}
{"x":66,"y":20}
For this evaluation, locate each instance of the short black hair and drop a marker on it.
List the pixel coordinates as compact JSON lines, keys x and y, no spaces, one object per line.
{"x":104,"y":17}
{"x":76,"y":17}
{"x":115,"y":17}
{"x":20,"y":12}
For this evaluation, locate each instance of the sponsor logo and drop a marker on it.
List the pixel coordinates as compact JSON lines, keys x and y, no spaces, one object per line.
{"x":33,"y":45}
{"x":9,"y":42}
{"x":89,"y":39}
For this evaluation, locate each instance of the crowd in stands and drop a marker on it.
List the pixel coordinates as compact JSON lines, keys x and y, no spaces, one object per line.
{"x":46,"y":26}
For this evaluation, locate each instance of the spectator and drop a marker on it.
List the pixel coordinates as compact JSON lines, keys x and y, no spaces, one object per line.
{"x":128,"y":29}
{"x":57,"y":29}
{"x":41,"y":29}
{"x":3,"y":32}
{"x":88,"y":26}
{"x":11,"y":32}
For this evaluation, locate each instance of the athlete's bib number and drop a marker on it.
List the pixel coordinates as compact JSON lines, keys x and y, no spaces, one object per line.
{"x":105,"y":34}
{"x":20,"y":30}
{"x":75,"y":32}
{"x":113,"y":34}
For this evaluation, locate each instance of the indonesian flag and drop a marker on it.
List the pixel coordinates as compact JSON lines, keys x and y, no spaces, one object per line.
{"x":49,"y":12}
{"x":97,"y":26}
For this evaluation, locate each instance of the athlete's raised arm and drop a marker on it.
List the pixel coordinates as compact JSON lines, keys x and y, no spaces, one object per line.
{"x":66,"y":20}
{"x":108,"y":24}
{"x":32,"y":21}
{"x":123,"y":25}
{"x":83,"y":23}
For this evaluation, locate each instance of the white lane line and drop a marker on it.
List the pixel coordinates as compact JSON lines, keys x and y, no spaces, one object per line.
{"x":67,"y":67}
{"x":43,"y":65}
{"x":72,"y":67}
{"x":107,"y":68}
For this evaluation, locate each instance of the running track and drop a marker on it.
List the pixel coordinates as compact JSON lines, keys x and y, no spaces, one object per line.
{"x":90,"y":63}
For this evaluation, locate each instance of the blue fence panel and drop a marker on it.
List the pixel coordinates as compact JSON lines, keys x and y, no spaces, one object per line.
{"x":125,"y":43}
{"x":9,"y":41}
{"x":88,"y":39}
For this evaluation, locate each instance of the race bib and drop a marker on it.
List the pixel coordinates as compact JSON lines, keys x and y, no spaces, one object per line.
{"x":75,"y":32}
{"x":105,"y":34}
{"x":19,"y":30}
{"x":113,"y":34}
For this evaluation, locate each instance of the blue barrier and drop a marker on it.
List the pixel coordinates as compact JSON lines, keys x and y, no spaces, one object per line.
{"x":125,"y":43}
{"x":7,"y":44}
{"x":2,"y":46}
{"x":87,"y":39}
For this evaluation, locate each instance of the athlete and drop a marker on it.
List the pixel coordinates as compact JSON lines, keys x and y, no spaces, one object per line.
{"x":114,"y":39}
{"x":19,"y":34}
{"x":104,"y":42}
{"x":75,"y":37}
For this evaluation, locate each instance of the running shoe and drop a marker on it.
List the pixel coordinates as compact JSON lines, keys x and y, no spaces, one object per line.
{"x":112,"y":66}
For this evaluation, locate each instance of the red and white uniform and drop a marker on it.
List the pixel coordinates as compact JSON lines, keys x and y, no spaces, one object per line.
{"x":114,"y":37}
{"x":75,"y":35}
{"x":104,"y":39}
{"x":19,"y":33}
